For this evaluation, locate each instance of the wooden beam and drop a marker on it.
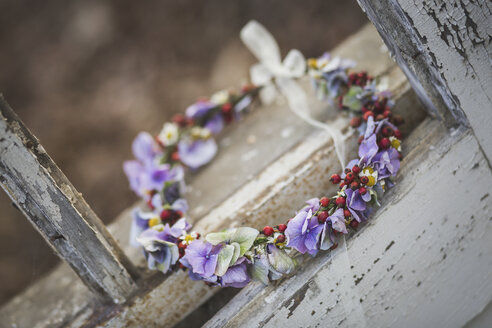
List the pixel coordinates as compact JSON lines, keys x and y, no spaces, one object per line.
{"x":50,"y":202}
{"x":445,"y":49}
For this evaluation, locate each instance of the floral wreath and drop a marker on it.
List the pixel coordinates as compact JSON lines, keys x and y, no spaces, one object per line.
{"x":235,"y":256}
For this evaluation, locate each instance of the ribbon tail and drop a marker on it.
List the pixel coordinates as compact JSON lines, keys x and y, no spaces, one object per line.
{"x":298,"y":104}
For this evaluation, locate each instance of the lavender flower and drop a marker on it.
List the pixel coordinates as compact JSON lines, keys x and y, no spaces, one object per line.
{"x":303,"y":231}
{"x":337,"y":220}
{"x":237,"y":275}
{"x":197,"y":153}
{"x":356,"y":204}
{"x":199,"y":109}
{"x":312,"y":205}
{"x":202,"y":257}
{"x":160,"y":248}
{"x":329,"y":74}
{"x":387,"y":163}
{"x":145,"y":173}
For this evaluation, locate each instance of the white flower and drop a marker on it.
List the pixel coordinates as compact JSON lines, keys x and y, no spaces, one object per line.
{"x":188,"y":238}
{"x":169,"y":134}
{"x":220,"y":97}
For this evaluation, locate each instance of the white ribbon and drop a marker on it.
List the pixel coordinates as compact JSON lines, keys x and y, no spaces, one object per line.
{"x":270,"y":68}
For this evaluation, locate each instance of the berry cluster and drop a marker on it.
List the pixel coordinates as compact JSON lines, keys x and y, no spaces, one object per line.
{"x":360,"y":79}
{"x":280,"y":229}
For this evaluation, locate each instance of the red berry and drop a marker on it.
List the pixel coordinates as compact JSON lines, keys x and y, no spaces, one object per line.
{"x":324,"y":201}
{"x":175,"y":156}
{"x":182,"y":246}
{"x":355,"y":122}
{"x":349,"y":177}
{"x":179,"y":119}
{"x":362,"y":190}
{"x":280,"y":239}
{"x":387,"y":113}
{"x":379,"y":117}
{"x":367,"y":114}
{"x":385,"y":143}
{"x":282,"y":227}
{"x":226,"y":108}
{"x":397,"y":134}
{"x":356,"y":169}
{"x":165,"y":215}
{"x":340,"y":201}
{"x":179,"y":214}
{"x":268,"y":231}
{"x":387,"y":131}
{"x":354,"y":185}
{"x":364,"y":180}
{"x":346,"y":213}
{"x":354,"y":224}
{"x":335,"y":178}
{"x":341,"y":185}
{"x":197,"y":235}
{"x":323,"y":216}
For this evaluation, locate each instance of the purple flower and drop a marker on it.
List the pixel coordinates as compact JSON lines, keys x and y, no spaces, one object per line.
{"x":197,"y":153}
{"x":327,"y":236}
{"x":368,"y":147}
{"x":202,"y":257}
{"x":387,"y":163}
{"x":160,"y":248}
{"x":179,"y":204}
{"x":144,"y":173}
{"x":199,"y":109}
{"x":215,"y":124}
{"x":237,"y":275}
{"x":337,"y":220}
{"x":356,"y":204}
{"x":312,"y":205}
{"x":303,"y":231}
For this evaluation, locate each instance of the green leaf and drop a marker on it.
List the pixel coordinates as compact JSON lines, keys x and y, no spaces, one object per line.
{"x":259,"y":270}
{"x":260,"y":240}
{"x":350,"y":99}
{"x":237,"y":251}
{"x":224,"y":260}
{"x":281,"y":261}
{"x":245,"y":237}
{"x":216,"y":238}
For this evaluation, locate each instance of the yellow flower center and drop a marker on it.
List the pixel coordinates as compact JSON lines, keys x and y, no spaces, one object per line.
{"x":368,"y":171}
{"x":395,"y":143}
{"x":372,"y":181}
{"x":153,"y":222}
{"x":188,"y":239}
{"x":312,"y":62}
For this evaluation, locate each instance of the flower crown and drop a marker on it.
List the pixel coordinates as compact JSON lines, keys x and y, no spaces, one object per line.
{"x":235,"y":256}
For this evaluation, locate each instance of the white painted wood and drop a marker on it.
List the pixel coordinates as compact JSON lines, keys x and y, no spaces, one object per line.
{"x":445,"y":49}
{"x":422,"y":261}
{"x":275,"y":189}
{"x":50,"y":202}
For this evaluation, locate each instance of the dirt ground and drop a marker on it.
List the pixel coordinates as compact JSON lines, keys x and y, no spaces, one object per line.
{"x":87,"y":76}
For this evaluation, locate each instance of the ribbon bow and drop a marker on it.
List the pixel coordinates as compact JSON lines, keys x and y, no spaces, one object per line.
{"x":271,"y":72}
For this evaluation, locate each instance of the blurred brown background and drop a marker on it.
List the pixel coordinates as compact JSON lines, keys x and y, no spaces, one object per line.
{"x":87,"y":76}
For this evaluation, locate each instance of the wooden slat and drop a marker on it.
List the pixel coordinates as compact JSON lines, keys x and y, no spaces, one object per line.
{"x":444,"y":48}
{"x":50,"y":202}
{"x":421,"y":261}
